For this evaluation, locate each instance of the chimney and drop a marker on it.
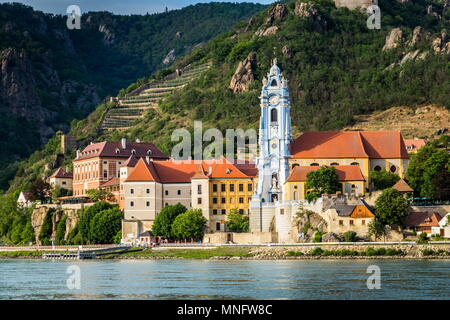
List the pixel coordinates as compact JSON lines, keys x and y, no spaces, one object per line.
{"x":209,"y":170}
{"x":124,"y":143}
{"x":138,"y":140}
{"x":78,"y":154}
{"x":147,"y":159}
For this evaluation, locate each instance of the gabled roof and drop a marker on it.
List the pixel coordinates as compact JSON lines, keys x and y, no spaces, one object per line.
{"x":402,"y":186}
{"x":423,"y":219}
{"x":182,"y":171}
{"x":345,"y":173}
{"x":115,"y":150}
{"x":61,"y":173}
{"x":414,"y":144}
{"x":349,"y":144}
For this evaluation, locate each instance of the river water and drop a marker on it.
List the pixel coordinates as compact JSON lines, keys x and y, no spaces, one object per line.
{"x":195,"y":279}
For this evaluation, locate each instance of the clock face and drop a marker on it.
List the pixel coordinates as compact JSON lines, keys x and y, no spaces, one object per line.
{"x":274,"y":100}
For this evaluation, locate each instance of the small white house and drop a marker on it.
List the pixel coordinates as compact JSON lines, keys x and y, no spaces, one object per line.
{"x":24,"y":199}
{"x":444,"y":227}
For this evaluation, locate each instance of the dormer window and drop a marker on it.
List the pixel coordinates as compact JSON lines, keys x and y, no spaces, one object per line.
{"x":133,"y":151}
{"x":149,"y":152}
{"x":228,"y":171}
{"x":117,"y":151}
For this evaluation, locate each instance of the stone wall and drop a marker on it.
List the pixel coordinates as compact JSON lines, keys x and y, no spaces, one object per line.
{"x":238,"y":238}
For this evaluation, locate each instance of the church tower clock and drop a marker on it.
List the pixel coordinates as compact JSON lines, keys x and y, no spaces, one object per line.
{"x":274,"y":137}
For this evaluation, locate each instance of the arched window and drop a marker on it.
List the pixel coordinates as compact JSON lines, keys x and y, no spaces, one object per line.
{"x":274,"y":83}
{"x":393,"y":168}
{"x":149,"y":152}
{"x":314,"y":164}
{"x":334,"y":164}
{"x":133,"y":151}
{"x":377,"y":168}
{"x":273,"y":115}
{"x":295,"y":165}
{"x":355,"y":163}
{"x":294,"y":196}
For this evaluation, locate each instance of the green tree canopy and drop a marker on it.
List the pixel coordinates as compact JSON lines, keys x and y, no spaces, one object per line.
{"x":162,"y":225}
{"x":84,"y":224}
{"x":323,"y":180}
{"x":391,"y":207}
{"x":383,"y":179}
{"x":189,"y":225}
{"x":105,"y":225}
{"x":237,"y":222}
{"x":99,"y":195}
{"x":429,"y":172}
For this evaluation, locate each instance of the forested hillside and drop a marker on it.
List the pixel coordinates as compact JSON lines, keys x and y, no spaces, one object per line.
{"x":336,"y":66}
{"x":50,"y":75}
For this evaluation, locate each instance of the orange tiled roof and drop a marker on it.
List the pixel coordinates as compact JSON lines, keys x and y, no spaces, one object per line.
{"x":345,"y":173}
{"x":349,"y":144}
{"x":414,"y":144}
{"x":173,"y":171}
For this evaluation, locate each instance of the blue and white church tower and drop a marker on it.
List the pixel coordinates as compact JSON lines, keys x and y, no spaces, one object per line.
{"x":274,"y":138}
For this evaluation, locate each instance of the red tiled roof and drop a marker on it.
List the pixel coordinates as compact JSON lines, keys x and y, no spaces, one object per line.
{"x":173,"y":171}
{"x":423,"y":219}
{"x":349,"y":144}
{"x":345,"y":173}
{"x":114,"y":149}
{"x":61,"y":173}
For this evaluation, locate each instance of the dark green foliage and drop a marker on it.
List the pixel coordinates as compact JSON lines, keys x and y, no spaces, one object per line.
{"x":317,"y":236}
{"x":383,"y":179}
{"x":350,"y":236}
{"x":376,"y":229}
{"x":40,"y":190}
{"x":47,"y":227}
{"x":423,"y":237}
{"x":118,"y":237}
{"x":189,"y":225}
{"x":61,"y":230}
{"x":162,"y":226}
{"x":237,"y":222}
{"x":324,"y":180}
{"x":429,"y":172}
{"x":391,"y":207}
{"x":105,"y":225}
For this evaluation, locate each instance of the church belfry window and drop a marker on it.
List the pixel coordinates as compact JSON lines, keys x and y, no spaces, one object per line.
{"x":274,"y":83}
{"x":273,"y":116}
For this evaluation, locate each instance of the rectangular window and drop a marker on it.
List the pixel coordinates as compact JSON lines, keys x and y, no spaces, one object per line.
{"x":147,"y":191}
{"x":131,"y":191}
{"x":232,"y":187}
{"x":178,"y":192}
{"x":222,"y":187}
{"x":148,"y":203}
{"x":281,"y":211}
{"x":218,"y":226}
{"x":199,"y":189}
{"x":241,"y":211}
{"x":224,"y":211}
{"x":63,"y":182}
{"x":363,"y":222}
{"x":341,"y":222}
{"x":215,"y":211}
{"x":241,"y":187}
{"x":131,"y":203}
{"x":214,"y":187}
{"x":223,"y":200}
{"x":105,"y":174}
{"x":241,"y":200}
{"x":166,"y":192}
{"x":249,"y":187}
{"x":214,"y":200}
{"x":199,"y":200}
{"x":351,"y":222}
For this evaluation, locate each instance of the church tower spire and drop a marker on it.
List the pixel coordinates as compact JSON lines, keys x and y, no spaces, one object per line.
{"x":274,"y":137}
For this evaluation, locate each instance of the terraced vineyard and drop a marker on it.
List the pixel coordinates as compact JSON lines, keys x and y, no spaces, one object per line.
{"x":133,"y":106}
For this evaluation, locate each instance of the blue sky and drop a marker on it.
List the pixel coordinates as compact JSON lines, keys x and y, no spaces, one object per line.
{"x":116,"y":6}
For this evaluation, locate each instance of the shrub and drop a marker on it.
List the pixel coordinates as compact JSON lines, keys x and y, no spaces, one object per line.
{"x":295,"y":253}
{"x":318,"y":237}
{"x":61,"y":230}
{"x":370,"y":252}
{"x":350,"y":236}
{"x":316,"y":251}
{"x":423,"y":237}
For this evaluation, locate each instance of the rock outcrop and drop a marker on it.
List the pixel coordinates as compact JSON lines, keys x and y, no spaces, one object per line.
{"x":108,"y":36}
{"x":393,"y":39}
{"x":170,"y":57}
{"x":441,"y":44}
{"x":243,"y":75}
{"x":308,"y":223}
{"x":309,"y":10}
{"x":417,"y":36}
{"x":287,"y":52}
{"x":275,"y":15}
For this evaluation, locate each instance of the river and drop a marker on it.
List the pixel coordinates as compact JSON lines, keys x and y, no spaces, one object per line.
{"x":197,"y":279}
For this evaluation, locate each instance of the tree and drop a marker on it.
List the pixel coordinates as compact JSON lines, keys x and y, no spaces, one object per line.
{"x":61,"y":230}
{"x":429,"y":172}
{"x":391,"y":207}
{"x":162,"y":226}
{"x":237,"y":222}
{"x":323,"y":180}
{"x":99,"y":195}
{"x":105,"y":225}
{"x":189,"y":225}
{"x":47,"y":227}
{"x":383,"y":179}
{"x":376,"y":229}
{"x":84,"y":224}
{"x":40,"y":190}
